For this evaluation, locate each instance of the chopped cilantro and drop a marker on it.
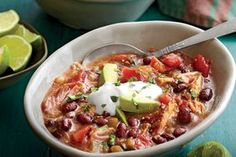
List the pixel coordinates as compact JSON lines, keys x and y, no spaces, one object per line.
{"x":94,"y":89}
{"x":132,"y":79}
{"x":117,"y":83}
{"x":76,"y":97}
{"x":149,"y":97}
{"x":104,"y":144}
{"x":131,"y":85}
{"x":104,"y":105}
{"x":152,"y":80}
{"x":134,"y":95}
{"x":193,"y":93}
{"x":112,"y":139}
{"x":137,"y":92}
{"x":144,"y":87}
{"x":85,"y":107}
{"x":114,"y":98}
{"x":104,"y":127}
{"x":166,"y":90}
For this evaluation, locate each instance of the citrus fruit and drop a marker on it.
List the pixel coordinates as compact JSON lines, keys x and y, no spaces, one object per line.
{"x":8,"y":21}
{"x":19,"y":51}
{"x":210,"y":149}
{"x":4,"y":59}
{"x":26,"y":34}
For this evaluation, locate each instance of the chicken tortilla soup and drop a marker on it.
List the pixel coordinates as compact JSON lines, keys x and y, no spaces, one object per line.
{"x":124,"y":101}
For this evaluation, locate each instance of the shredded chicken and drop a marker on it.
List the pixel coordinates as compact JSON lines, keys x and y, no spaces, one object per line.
{"x":58,"y":96}
{"x":198,"y":108}
{"x":164,"y":80}
{"x":167,"y":115}
{"x":102,"y":134}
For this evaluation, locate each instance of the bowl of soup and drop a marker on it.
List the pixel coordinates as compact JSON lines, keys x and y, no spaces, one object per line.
{"x":124,"y":104}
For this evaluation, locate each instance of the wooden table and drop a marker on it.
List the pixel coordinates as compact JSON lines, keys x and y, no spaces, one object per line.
{"x":17,"y":138}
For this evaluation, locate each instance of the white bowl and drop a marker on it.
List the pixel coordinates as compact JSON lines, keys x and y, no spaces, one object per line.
{"x":89,"y":14}
{"x":142,"y":35}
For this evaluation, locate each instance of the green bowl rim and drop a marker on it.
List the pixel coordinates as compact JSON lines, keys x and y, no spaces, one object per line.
{"x":38,"y":62}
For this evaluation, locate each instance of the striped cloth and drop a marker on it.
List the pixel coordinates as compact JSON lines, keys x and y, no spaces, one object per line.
{"x":205,"y":13}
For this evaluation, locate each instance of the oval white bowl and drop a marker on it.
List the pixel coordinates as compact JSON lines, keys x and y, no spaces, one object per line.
{"x":143,"y":35}
{"x":90,"y":14}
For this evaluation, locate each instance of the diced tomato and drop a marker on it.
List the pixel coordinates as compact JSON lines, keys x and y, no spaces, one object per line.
{"x":78,"y":136}
{"x":172,"y":60}
{"x":158,"y":65}
{"x":128,"y":73}
{"x":202,"y":65}
{"x":183,"y":104}
{"x":164,"y":98}
{"x":80,"y":77}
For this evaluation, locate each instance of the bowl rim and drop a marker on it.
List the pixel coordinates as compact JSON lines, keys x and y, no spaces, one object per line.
{"x":35,"y":64}
{"x":178,"y":142}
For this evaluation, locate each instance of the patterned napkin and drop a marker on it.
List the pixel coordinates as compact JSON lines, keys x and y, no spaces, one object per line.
{"x":205,"y":13}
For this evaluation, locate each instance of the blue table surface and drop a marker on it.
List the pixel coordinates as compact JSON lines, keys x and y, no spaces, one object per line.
{"x":17,"y":138}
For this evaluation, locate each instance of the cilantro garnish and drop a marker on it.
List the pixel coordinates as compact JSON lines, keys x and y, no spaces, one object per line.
{"x":132,"y":79}
{"x":77,"y":96}
{"x":104,"y":105}
{"x":114,"y":98}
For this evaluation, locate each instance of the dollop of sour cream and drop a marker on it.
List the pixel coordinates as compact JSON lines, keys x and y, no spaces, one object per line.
{"x":104,"y":100}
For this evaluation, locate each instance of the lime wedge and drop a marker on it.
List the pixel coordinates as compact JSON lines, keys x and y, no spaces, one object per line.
{"x":4,"y":59}
{"x":19,"y":51}
{"x":27,"y":35}
{"x":210,"y":149}
{"x":8,"y":21}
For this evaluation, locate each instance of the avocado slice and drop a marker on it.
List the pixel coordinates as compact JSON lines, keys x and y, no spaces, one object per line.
{"x":137,"y":104}
{"x":121,"y":115}
{"x":109,"y":74}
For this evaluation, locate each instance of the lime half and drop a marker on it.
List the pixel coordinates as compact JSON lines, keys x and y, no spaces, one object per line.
{"x":19,"y":50}
{"x":27,"y":35}
{"x":210,"y":149}
{"x":8,"y":21}
{"x":4,"y":59}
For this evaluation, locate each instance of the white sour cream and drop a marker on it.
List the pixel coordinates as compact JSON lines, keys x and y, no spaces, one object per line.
{"x":102,"y":97}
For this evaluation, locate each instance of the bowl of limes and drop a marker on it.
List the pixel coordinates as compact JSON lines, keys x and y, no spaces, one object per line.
{"x":22,"y":48}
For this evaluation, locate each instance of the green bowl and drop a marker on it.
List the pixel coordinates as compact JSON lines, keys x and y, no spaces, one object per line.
{"x":38,"y":56}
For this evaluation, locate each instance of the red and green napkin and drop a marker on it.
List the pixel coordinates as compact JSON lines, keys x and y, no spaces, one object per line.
{"x":205,"y":13}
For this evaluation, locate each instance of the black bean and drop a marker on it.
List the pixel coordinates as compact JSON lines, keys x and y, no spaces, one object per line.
{"x":106,"y":114}
{"x":121,"y":130}
{"x":158,"y":139}
{"x":179,"y":131}
{"x":101,"y":121}
{"x":168,"y":137}
{"x":84,"y":118}
{"x":66,"y":124}
{"x":133,"y":122}
{"x":184,"y":116}
{"x":146,"y":60}
{"x":183,"y":68}
{"x":51,"y":123}
{"x":57,"y":133}
{"x":180,"y":87}
{"x":133,"y":132}
{"x":206,"y":94}
{"x":68,"y":107}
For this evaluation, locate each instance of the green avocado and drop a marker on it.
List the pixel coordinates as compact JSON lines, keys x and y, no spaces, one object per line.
{"x":121,"y":115}
{"x":109,"y":74}
{"x":137,"y":104}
